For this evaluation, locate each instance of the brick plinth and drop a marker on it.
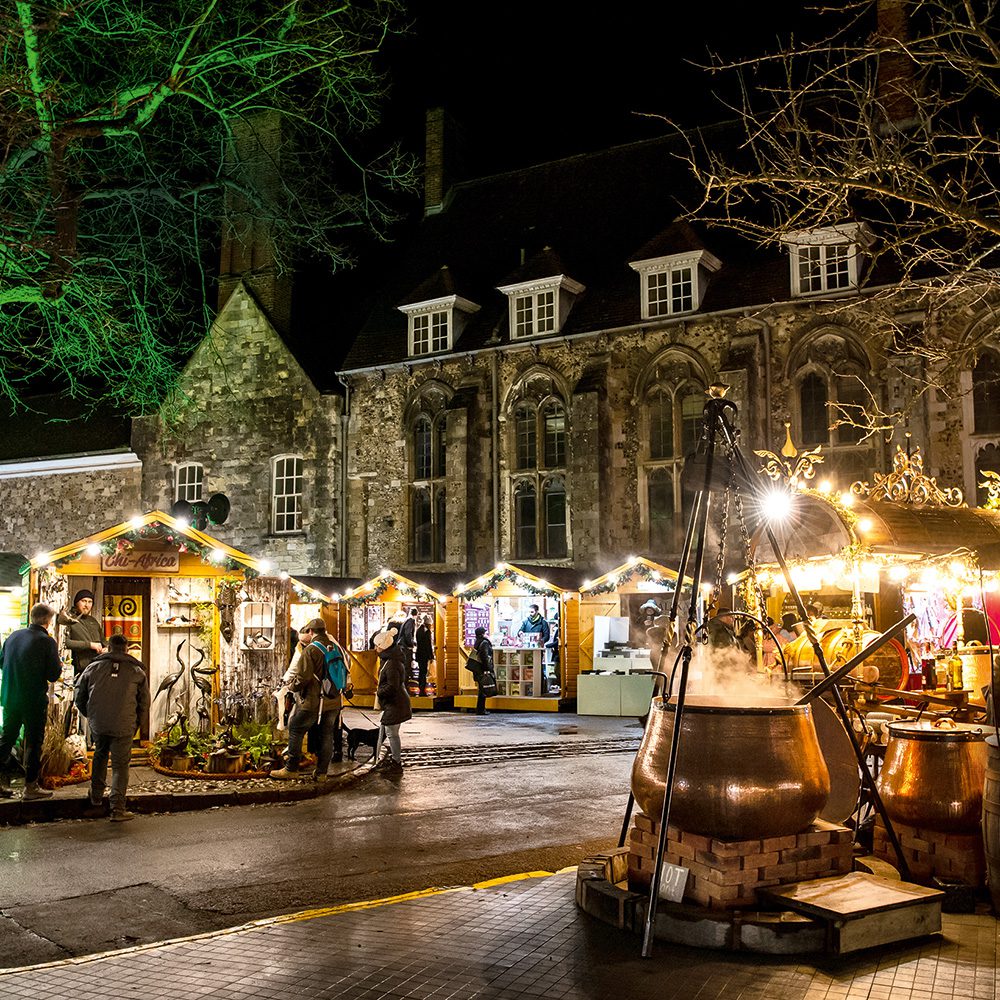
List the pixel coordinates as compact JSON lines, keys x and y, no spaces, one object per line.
{"x":929,"y":853}
{"x":727,"y":873}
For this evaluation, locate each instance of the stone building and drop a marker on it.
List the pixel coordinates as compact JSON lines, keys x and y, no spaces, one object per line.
{"x":533,"y":372}
{"x":526,"y":385}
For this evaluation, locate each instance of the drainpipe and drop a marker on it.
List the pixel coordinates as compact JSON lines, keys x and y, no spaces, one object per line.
{"x":765,"y":329}
{"x":495,"y":421}
{"x":344,"y":418}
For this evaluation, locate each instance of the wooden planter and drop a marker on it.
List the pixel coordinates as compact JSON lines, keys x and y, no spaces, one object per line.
{"x":222,"y":762}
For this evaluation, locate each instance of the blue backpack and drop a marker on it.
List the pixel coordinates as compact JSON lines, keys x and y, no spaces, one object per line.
{"x":334,"y":678}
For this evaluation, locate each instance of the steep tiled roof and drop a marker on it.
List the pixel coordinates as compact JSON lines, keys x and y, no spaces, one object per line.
{"x":585,"y":216}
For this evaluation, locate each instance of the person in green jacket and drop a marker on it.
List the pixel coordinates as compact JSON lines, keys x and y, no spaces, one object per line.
{"x":86,"y":636}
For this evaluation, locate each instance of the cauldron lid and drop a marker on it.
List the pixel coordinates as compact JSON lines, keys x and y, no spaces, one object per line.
{"x":707,"y":705}
{"x":961,"y":732}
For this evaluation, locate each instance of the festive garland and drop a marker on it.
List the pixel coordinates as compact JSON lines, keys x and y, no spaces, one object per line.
{"x":474,"y":591}
{"x":636,"y":569}
{"x":384,"y":583}
{"x":158,"y":532}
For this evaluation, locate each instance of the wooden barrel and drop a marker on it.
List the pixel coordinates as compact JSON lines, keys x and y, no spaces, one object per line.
{"x":991,"y":820}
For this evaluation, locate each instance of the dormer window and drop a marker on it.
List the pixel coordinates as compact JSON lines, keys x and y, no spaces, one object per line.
{"x":674,"y":285}
{"x":824,"y":260}
{"x":436,"y":324}
{"x":540,"y":307}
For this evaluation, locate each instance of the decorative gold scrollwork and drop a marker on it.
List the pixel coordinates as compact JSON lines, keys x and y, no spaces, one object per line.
{"x":907,"y":483}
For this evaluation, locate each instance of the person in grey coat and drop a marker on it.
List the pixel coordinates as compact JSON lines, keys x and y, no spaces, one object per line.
{"x":113,"y":694}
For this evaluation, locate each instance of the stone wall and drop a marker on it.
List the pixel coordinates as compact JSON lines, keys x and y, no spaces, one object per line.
{"x":39,"y":513}
{"x":242,"y":400}
{"x":602,"y":379}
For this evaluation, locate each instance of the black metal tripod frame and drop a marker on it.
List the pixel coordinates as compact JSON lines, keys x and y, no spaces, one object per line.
{"x":717,"y":423}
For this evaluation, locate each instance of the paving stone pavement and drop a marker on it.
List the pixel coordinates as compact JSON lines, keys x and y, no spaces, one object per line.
{"x":521,"y":939}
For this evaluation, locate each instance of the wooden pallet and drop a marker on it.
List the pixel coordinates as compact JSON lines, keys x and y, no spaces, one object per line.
{"x":861,"y":910}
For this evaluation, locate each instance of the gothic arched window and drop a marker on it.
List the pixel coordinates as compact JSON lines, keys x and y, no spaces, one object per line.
{"x":673,"y":405}
{"x":427,"y":435}
{"x":834,"y":394}
{"x":986,"y":394}
{"x":539,"y":509}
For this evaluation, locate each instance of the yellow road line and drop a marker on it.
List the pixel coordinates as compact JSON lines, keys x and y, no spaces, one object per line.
{"x":285,"y":918}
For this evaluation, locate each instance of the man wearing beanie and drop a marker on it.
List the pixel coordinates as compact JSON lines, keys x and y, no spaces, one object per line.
{"x":304,"y":678}
{"x":86,"y":636}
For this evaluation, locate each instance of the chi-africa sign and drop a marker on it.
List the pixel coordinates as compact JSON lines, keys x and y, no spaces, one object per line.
{"x":141,"y":561}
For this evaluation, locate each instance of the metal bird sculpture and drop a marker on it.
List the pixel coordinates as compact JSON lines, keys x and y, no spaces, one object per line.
{"x":202,"y":680}
{"x":171,"y":679}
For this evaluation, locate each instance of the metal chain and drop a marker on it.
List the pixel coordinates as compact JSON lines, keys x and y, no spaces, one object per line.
{"x":748,"y":552}
{"x":720,"y":561}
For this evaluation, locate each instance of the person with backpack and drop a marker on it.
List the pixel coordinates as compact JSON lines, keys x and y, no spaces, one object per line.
{"x":317,"y":679}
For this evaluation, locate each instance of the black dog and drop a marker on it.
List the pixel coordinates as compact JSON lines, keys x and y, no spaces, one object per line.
{"x":356,"y":736}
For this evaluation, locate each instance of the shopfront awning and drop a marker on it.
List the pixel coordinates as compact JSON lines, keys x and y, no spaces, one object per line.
{"x":513,"y":576}
{"x":824,"y":526}
{"x":637,"y":570}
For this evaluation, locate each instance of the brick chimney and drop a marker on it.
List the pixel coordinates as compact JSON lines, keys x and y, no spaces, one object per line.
{"x":896,"y":83}
{"x":246,"y":251}
{"x":442,"y":159}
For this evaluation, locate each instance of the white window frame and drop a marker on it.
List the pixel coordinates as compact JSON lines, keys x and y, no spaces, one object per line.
{"x":446,"y":313}
{"x":276,"y":496}
{"x":822,"y":243}
{"x":181,"y":482}
{"x":697,"y":264}
{"x":534,"y":293}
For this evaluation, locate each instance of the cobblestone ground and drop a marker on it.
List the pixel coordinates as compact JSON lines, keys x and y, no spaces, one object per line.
{"x":521,"y":939}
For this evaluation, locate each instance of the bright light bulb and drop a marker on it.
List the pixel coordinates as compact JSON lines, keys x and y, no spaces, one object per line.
{"x":777,"y":505}
{"x":93,"y":549}
{"x":283,"y":576}
{"x":217,"y":555}
{"x":135,"y":523}
{"x":847,"y":499}
{"x":41,"y":558}
{"x":898,"y":573}
{"x":825,"y":486}
{"x":587,"y":584}
{"x":865,"y":524}
{"x":632,"y":559}
{"x":182,"y":523}
{"x":732,"y":579}
{"x":263,"y":565}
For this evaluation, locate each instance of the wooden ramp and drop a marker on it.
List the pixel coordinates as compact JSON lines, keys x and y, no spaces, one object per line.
{"x":861,"y":910}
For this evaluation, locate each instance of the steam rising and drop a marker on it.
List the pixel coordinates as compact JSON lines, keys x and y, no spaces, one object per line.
{"x":729,"y":677}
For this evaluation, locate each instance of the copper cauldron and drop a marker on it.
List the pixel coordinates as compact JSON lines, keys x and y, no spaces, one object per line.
{"x":933,"y":775}
{"x":838,"y":641}
{"x":742,"y":773}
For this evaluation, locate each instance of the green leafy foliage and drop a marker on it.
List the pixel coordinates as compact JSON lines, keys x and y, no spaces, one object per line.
{"x":131,"y":130}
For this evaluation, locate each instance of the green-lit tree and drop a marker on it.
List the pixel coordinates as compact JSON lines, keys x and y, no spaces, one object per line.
{"x":118,"y":125}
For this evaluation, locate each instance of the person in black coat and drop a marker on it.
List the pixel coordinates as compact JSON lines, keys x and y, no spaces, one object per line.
{"x":425,"y":653}
{"x":480,"y":665}
{"x":30,"y":661}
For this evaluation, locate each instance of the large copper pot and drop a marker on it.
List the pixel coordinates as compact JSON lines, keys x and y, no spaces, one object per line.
{"x":838,"y":640}
{"x":742,"y":773}
{"x":933,"y":775}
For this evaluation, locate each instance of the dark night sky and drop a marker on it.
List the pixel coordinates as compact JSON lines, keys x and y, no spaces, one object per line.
{"x":533,"y":81}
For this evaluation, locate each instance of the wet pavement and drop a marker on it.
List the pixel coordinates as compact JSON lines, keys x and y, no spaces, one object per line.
{"x":519,"y":939}
{"x":431,"y":739}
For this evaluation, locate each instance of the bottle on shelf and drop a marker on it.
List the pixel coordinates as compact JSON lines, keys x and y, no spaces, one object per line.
{"x":955,"y":669}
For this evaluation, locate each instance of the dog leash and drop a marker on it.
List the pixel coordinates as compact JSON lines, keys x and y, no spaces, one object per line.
{"x":362,"y":711}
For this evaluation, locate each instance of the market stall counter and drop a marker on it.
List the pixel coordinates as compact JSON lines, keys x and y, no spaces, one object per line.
{"x":390,"y":599}
{"x":616,"y":610}
{"x":211,"y":624}
{"x":533,"y":625}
